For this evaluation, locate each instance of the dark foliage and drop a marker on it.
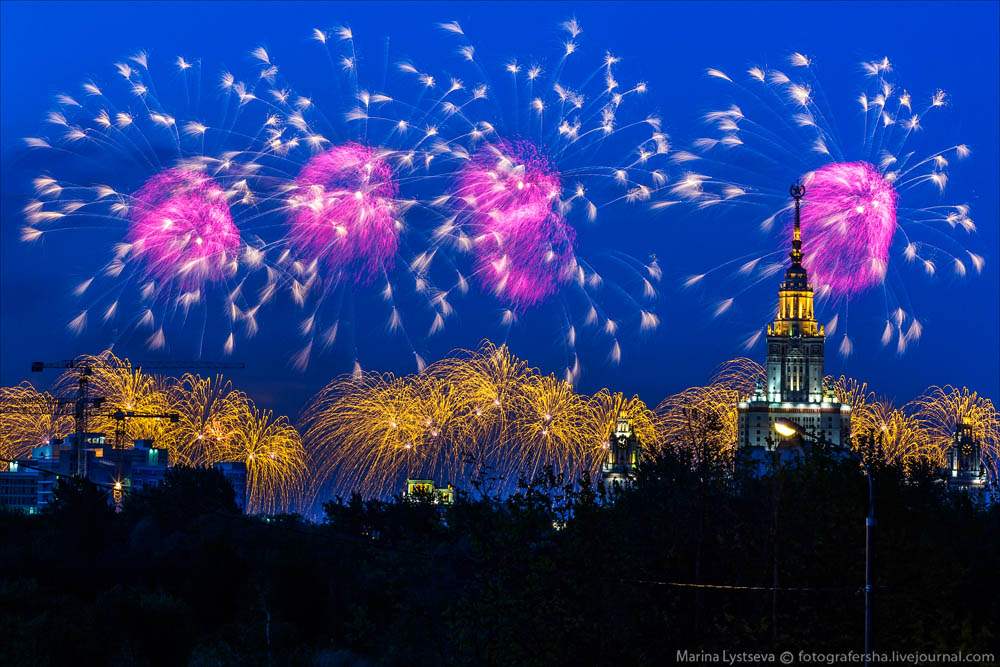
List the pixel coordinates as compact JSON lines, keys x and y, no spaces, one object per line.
{"x":555,"y":574}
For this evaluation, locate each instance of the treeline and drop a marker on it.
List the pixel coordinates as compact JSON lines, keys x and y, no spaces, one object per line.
{"x":695,"y":555}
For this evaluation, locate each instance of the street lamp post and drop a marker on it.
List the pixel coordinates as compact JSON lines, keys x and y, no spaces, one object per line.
{"x":788,"y":428}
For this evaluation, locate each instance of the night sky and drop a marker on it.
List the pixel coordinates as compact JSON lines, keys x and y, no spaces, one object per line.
{"x":49,"y":48}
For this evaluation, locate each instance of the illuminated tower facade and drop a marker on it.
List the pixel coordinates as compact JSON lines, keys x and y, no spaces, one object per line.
{"x":793,"y":386}
{"x":794,"y":340}
{"x":621,"y":454}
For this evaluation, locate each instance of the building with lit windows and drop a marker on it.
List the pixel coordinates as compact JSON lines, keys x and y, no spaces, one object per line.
{"x":793,"y":384}
{"x":28,"y":484}
{"x":426,"y":488}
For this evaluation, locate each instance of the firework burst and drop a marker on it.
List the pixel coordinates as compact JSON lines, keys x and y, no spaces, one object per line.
{"x":121,"y":388}
{"x":896,"y":434}
{"x":525,"y":250}
{"x":384,"y":192}
{"x":552,"y":426}
{"x":611,"y":406}
{"x":181,"y":228}
{"x":349,"y":176}
{"x":272,"y":451}
{"x":217,"y":423}
{"x":370,"y":431}
{"x":545,"y":145}
{"x":466,"y":417}
{"x":209,"y":411}
{"x":162,"y":185}
{"x":941,"y":409}
{"x":708,"y":412}
{"x":343,"y":211}
{"x":872,"y":200}
{"x":29,"y":418}
{"x":850,"y":214}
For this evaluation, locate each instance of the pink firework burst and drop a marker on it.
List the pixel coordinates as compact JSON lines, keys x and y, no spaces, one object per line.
{"x":344,"y":209}
{"x":180,"y":225}
{"x":523,"y":247}
{"x":848,"y":221}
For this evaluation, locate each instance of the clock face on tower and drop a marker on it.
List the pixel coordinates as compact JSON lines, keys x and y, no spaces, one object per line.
{"x":622,"y":441}
{"x":966,"y":449}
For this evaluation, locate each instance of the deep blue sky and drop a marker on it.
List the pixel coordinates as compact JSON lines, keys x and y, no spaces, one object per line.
{"x":48,"y":48}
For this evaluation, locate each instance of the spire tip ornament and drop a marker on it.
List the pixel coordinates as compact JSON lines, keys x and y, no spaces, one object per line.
{"x":797,"y":191}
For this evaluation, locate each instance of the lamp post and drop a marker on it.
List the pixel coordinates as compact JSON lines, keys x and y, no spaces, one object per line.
{"x":788,"y":428}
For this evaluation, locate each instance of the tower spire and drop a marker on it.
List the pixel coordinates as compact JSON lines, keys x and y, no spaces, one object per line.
{"x":797,"y":191}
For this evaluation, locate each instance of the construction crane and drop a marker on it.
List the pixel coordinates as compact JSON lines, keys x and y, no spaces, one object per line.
{"x":121,"y":415}
{"x":83,"y":403}
{"x":39,"y":366}
{"x":57,"y":407}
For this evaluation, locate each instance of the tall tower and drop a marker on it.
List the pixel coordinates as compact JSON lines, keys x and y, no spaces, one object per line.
{"x":794,"y":341}
{"x":793,"y":386}
{"x":621,"y":454}
{"x":965,"y":470}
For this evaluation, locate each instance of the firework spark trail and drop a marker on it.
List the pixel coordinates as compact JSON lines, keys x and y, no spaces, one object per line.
{"x":900,"y":437}
{"x":209,"y":412}
{"x":218,"y":423}
{"x":486,"y":383}
{"x":849,"y":391}
{"x":741,"y":375}
{"x":369,"y":430}
{"x":553,"y":425}
{"x":871,"y":202}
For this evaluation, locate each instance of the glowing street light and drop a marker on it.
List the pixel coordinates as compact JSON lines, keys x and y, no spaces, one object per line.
{"x":786,"y":427}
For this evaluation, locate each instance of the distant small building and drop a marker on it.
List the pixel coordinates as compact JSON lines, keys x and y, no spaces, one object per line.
{"x":147,"y":465}
{"x":20,"y":488}
{"x":622,"y":452}
{"x":427,"y":488}
{"x":236,"y":473}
